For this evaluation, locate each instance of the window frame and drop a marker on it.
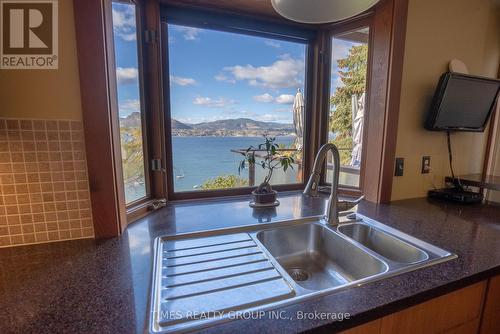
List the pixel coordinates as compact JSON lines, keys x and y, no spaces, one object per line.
{"x":366,"y":21}
{"x":245,"y":25}
{"x":150,"y":104}
{"x":144,"y":128}
{"x":93,"y":30}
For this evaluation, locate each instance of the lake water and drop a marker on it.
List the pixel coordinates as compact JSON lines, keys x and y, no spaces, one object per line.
{"x":203,"y":158}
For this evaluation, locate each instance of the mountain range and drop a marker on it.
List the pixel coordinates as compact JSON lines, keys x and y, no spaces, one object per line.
{"x":233,"y":124}
{"x":226,"y":127}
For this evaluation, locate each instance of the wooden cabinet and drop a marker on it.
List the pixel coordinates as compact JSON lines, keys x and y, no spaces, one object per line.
{"x":491,"y":313}
{"x":372,"y":327}
{"x":440,"y":314}
{"x":473,"y":309}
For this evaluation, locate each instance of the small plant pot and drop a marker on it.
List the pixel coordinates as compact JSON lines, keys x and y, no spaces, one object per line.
{"x":264,"y":199}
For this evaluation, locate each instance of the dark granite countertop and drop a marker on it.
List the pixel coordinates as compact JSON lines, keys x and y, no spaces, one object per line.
{"x":90,"y":286}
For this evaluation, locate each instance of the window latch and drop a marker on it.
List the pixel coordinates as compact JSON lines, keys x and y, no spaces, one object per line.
{"x":156,"y":165}
{"x":150,"y":36}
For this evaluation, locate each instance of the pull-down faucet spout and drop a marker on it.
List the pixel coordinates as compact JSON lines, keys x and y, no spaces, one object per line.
{"x":332,"y":212}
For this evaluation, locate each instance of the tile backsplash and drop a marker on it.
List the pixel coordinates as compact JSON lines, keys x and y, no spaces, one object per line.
{"x":44,"y":192}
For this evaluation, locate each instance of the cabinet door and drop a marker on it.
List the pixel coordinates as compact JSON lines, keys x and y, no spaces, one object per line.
{"x":442,"y":314}
{"x":491,"y":312}
{"x":372,"y":327}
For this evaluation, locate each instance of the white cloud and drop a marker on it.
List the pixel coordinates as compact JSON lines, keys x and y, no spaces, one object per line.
{"x":273,"y":44}
{"x":127,"y":75}
{"x":213,"y":103}
{"x":265,"y":98}
{"x":129,"y":106}
{"x":285,"y":99}
{"x":189,"y":33}
{"x":222,"y":77}
{"x":280,"y":99}
{"x":124,"y":22}
{"x":284,"y":73}
{"x":181,"y":81}
{"x":340,"y":49}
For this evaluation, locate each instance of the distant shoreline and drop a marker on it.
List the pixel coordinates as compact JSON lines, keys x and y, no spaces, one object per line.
{"x":246,"y":136}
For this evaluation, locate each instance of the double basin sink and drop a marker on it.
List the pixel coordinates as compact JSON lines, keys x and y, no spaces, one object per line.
{"x":204,"y":278}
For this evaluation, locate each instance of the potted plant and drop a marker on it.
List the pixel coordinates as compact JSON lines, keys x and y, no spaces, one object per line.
{"x":264,"y":195}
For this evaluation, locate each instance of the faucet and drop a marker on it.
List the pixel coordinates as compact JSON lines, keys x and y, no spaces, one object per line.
{"x":333,"y":205}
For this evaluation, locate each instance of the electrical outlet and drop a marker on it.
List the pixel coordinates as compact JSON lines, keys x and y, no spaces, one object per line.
{"x":400,"y":167}
{"x":426,"y":164}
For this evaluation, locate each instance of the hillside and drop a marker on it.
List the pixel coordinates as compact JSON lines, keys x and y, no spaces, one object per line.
{"x":226,"y":127}
{"x":242,"y":127}
{"x":241,"y":124}
{"x":131,"y":121}
{"x":179,"y":125}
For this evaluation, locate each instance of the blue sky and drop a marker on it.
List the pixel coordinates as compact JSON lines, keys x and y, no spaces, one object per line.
{"x":126,"y":58}
{"x":217,"y":75}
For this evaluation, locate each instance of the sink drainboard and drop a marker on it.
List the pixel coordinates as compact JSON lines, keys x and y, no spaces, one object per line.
{"x":202,"y":278}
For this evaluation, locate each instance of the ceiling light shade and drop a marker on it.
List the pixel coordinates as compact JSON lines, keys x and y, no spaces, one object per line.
{"x":321,"y":11}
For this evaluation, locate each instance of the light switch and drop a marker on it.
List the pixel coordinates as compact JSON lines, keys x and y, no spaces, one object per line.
{"x":400,"y":166}
{"x":426,"y":164}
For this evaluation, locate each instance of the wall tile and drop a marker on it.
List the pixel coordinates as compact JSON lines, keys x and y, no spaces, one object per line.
{"x":44,"y":193}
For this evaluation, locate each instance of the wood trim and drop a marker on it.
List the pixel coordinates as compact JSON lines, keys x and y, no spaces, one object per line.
{"x":396,"y":62}
{"x":166,"y":112}
{"x":387,"y":23}
{"x":186,"y":195}
{"x":136,"y":207}
{"x":153,"y":87}
{"x":238,"y":22}
{"x":106,"y":186}
{"x":151,"y":106}
{"x":321,"y":91}
{"x":491,"y":140}
{"x":354,"y":24}
{"x":388,"y":40}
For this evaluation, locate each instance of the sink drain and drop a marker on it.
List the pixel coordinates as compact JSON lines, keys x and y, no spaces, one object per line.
{"x":298,"y":275}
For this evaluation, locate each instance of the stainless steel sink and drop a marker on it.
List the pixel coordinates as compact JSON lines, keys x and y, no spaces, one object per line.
{"x":386,"y":245}
{"x":207,"y":277}
{"x":317,"y":258}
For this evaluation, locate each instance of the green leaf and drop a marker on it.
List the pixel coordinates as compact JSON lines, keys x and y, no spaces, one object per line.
{"x":241,"y":166}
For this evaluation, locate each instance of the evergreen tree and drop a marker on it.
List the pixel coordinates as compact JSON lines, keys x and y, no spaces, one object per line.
{"x":352,"y":72}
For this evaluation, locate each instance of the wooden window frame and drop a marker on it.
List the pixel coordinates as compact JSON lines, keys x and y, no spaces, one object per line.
{"x":329,"y":33}
{"x":98,"y":93}
{"x":245,"y":25}
{"x":387,"y":24}
{"x":152,"y":112}
{"x":150,"y":104}
{"x":146,"y":138}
